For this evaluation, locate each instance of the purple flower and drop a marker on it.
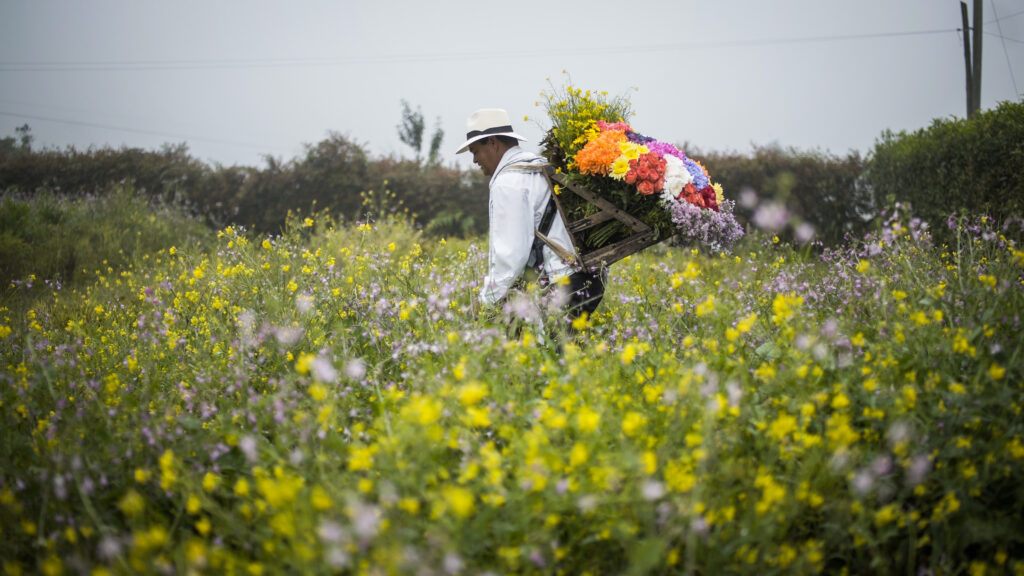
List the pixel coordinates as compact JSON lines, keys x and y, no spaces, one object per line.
{"x":666,"y":149}
{"x":717,"y":230}
{"x":700,"y":179}
{"x":637,"y":138}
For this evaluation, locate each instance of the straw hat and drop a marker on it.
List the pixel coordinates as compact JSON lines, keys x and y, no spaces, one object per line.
{"x":488,"y":122}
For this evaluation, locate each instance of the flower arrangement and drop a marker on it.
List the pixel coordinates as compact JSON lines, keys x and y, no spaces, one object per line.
{"x":592,"y":142}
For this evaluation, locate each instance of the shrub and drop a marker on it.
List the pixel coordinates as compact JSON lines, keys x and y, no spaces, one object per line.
{"x":955,"y":165}
{"x":816,"y":188}
{"x":57,"y":239}
{"x":332,"y":174}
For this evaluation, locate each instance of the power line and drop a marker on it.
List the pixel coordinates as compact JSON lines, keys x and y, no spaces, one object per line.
{"x":1001,"y":37}
{"x":150,"y":65}
{"x":1007,"y":17}
{"x":1007,"y":54}
{"x":137,"y":130}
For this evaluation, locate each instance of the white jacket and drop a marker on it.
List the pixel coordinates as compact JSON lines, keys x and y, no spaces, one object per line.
{"x":519,"y":194}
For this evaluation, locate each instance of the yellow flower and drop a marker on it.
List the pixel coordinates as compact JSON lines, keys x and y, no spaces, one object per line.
{"x":746,"y":323}
{"x":679,"y":477}
{"x":771,"y":493}
{"x":304,"y":363}
{"x":782,"y":426}
{"x":628,"y":354}
{"x":472,"y":393}
{"x":719,"y":193}
{"x":650,"y":460}
{"x":996,"y":372}
{"x":131,"y":503}
{"x":885,"y":515}
{"x":707,"y":306}
{"x":422,"y":410}
{"x":242,"y":488}
{"x":203,"y":526}
{"x":210,"y":482}
{"x":633,"y":422}
{"x":317,"y":391}
{"x":580,"y":322}
{"x":784,"y":307}
{"x":587,"y":420}
{"x":168,"y":470}
{"x":459,"y":500}
{"x":193,"y":505}
{"x":361,"y":458}
{"x":320,"y":499}
{"x":840,"y":401}
{"x":578,"y":455}
{"x":479,"y":417}
{"x":619,"y":168}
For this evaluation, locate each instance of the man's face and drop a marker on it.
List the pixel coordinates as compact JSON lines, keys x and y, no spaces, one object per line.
{"x":486,"y":154}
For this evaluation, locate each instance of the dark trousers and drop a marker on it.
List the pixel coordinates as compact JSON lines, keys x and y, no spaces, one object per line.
{"x":586,"y":290}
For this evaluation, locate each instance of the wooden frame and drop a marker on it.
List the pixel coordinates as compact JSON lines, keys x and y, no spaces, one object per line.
{"x":642,"y":236}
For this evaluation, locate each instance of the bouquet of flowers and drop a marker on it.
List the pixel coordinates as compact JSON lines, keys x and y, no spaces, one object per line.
{"x":592,"y":143}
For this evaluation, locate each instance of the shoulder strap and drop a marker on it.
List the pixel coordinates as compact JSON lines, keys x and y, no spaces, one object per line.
{"x":541,"y":233}
{"x":549,"y":216}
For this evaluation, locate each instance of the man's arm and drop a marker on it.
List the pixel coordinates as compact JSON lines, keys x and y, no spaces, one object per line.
{"x":510,"y":239}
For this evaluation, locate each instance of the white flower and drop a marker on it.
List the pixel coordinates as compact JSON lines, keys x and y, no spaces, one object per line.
{"x":676,"y":177}
{"x":652,"y":490}
{"x":247,"y":444}
{"x":323,"y":370}
{"x":355,"y":369}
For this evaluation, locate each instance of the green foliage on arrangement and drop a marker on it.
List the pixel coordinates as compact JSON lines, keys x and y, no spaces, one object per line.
{"x":330,"y":400}
{"x":573,"y":112}
{"x":974,"y":165}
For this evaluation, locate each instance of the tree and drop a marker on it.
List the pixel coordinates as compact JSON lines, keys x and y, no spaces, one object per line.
{"x":9,"y":146}
{"x":435,"y":143}
{"x":25,"y":136}
{"x":411,"y":130}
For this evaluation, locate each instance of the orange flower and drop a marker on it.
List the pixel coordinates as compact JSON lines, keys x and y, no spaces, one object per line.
{"x":599,"y":154}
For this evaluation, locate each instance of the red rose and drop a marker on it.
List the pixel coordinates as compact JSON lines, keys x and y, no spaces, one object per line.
{"x":709,"y":197}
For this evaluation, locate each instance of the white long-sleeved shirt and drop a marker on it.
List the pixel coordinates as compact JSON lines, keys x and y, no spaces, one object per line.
{"x":519,"y":194}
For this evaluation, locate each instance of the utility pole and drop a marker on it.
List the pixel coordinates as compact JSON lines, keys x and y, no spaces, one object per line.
{"x":972,"y":62}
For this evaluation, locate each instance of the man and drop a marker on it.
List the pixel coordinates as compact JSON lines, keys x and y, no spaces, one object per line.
{"x":519,"y":196}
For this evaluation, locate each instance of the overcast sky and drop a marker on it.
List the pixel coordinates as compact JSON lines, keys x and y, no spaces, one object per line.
{"x":237,"y":80}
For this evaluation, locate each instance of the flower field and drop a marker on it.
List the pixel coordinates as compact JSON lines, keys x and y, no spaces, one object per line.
{"x":332,"y":400}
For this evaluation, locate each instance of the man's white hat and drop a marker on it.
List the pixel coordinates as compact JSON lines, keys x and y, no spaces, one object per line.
{"x":488,"y":122}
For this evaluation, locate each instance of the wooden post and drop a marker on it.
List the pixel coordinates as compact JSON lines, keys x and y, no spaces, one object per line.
{"x":967,"y":58}
{"x":976,"y":49}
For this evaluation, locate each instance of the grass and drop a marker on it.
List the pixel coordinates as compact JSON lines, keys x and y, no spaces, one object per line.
{"x":333,"y":400}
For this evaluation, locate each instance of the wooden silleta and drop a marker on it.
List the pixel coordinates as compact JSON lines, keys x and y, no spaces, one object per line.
{"x":641,"y":237}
